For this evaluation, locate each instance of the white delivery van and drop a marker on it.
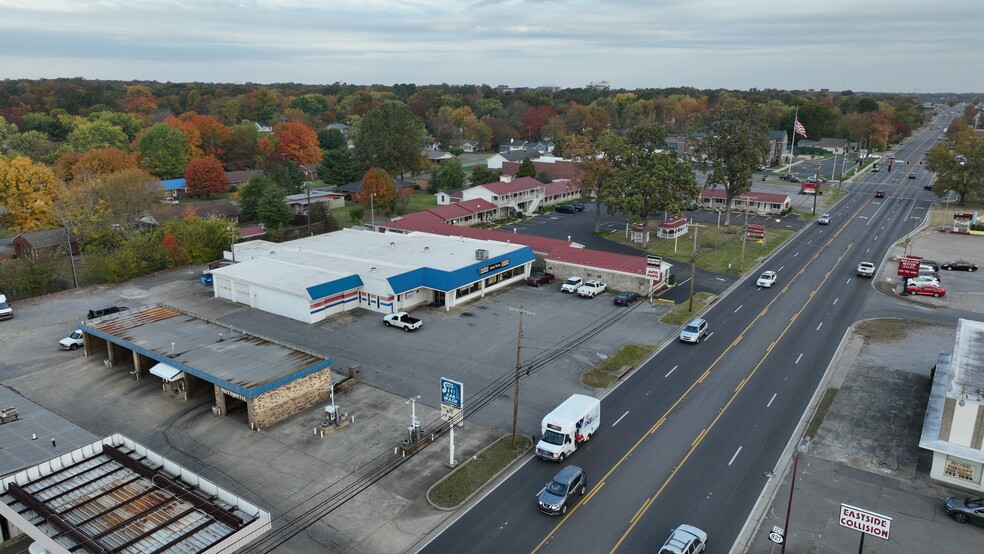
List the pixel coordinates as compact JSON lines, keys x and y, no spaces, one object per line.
{"x":568,"y":425}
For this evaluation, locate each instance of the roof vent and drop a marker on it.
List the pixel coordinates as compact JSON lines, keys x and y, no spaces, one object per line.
{"x":372,"y":269}
{"x":392,"y":245}
{"x":427,"y":249}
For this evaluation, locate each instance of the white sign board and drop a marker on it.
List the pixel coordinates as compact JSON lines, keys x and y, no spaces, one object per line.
{"x":451,"y":400}
{"x":865,"y":521}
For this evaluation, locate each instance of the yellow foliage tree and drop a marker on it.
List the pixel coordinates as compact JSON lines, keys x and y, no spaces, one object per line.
{"x":27,"y":193}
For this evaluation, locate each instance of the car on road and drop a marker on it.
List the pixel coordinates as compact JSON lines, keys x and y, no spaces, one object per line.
{"x":925,"y":290}
{"x":591,"y":289}
{"x":959,"y":265}
{"x":694,"y":331}
{"x":879,"y":194}
{"x":565,"y":209}
{"x":875,"y":169}
{"x":685,"y":539}
{"x":571,"y":285}
{"x":793,"y":179}
{"x":538,"y":278}
{"x":785,"y":176}
{"x":6,"y":312}
{"x":865,"y":269}
{"x":559,"y":493}
{"x":927,"y":187}
{"x":625,"y":298}
{"x":912,"y":175}
{"x":964,"y":509}
{"x":72,"y":341}
{"x":767,"y":279}
{"x":824,"y":219}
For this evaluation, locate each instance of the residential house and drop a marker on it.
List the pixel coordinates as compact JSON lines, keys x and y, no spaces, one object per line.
{"x":310,"y":171}
{"x":299,"y":202}
{"x":48,"y":240}
{"x":240,"y":178}
{"x":545,"y":146}
{"x":496,"y":161}
{"x":436,"y":156}
{"x":222,"y":207}
{"x":430,"y":144}
{"x":558,"y":192}
{"x":556,"y":170}
{"x":343,"y":128}
{"x":352,"y":191}
{"x":763,"y":203}
{"x":260,"y":128}
{"x":524,"y":195}
{"x":465,"y":213}
{"x":513,"y":145}
{"x":953,"y":427}
{"x":468,"y":146}
{"x":175,"y":188}
{"x":445,"y":197}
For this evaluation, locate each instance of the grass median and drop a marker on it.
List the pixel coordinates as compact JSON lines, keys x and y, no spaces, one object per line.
{"x":471,"y":476}
{"x":605,"y":373}
{"x":681,"y":313}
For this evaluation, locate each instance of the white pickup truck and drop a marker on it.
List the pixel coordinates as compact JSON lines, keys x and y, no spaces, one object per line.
{"x":403,"y":321}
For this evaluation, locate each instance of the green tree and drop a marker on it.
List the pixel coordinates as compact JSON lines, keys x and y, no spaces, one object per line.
{"x":448,"y":175}
{"x":732,"y":140}
{"x":311,"y":104}
{"x":239,"y":150}
{"x":284,"y":172}
{"x":320,"y":213}
{"x":481,"y":174}
{"x":162,"y":151}
{"x":596,"y":155}
{"x":332,"y":139}
{"x":526,"y":168}
{"x":97,"y":134}
{"x":273,"y":212}
{"x":959,"y":166}
{"x":338,"y":167}
{"x":543,"y":177}
{"x":388,"y":137}
{"x":250,"y":195}
{"x":201,"y":240}
{"x":129,"y":123}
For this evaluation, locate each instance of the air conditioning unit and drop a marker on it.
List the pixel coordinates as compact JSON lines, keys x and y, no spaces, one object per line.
{"x":481,"y":254}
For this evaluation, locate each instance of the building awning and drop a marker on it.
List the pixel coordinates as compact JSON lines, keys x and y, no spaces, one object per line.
{"x":166,"y":372}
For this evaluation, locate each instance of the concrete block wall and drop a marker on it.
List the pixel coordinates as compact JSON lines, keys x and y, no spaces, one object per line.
{"x":614,"y":279}
{"x":285,"y":401}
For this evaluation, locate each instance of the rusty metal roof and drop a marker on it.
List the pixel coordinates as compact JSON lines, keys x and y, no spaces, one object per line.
{"x":114,"y":495}
{"x":222,"y":355}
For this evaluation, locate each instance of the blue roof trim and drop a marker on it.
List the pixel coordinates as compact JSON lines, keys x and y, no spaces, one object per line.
{"x":450,"y":280}
{"x":325,"y":290}
{"x":238,"y":389}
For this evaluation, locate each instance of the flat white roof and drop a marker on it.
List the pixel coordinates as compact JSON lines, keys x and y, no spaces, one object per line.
{"x":967,"y":374}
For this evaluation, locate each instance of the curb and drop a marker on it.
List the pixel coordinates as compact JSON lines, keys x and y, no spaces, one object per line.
{"x":479,"y":489}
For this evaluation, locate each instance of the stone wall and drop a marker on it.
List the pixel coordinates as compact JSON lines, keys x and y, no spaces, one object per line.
{"x":285,"y":401}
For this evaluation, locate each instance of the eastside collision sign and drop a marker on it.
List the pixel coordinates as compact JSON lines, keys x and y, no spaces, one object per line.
{"x":867,"y":522}
{"x":909,"y":266}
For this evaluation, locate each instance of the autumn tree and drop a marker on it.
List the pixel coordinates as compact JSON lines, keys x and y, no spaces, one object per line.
{"x":732,"y":141}
{"x":388,"y":138}
{"x":205,"y":176}
{"x":27,"y":190}
{"x":97,"y":134}
{"x":596,"y":156}
{"x":193,"y":138}
{"x":163,"y":151}
{"x":239,"y":150}
{"x":99,"y":205}
{"x":377,"y":190}
{"x":298,"y":142}
{"x":212,"y":133}
{"x":338,"y":167}
{"x":73,"y":166}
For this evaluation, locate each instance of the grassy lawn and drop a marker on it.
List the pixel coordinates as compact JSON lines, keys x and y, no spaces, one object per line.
{"x":475,"y":473}
{"x":606,"y":372}
{"x":718,"y":248}
{"x":817,"y":421}
{"x":681,"y":313}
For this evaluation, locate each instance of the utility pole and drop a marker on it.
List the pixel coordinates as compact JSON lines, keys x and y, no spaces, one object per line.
{"x":71,"y":255}
{"x":519,"y":351}
{"x":744,"y":235}
{"x":693,"y":267}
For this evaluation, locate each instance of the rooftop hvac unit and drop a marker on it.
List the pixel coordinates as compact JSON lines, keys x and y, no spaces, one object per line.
{"x":481,"y":254}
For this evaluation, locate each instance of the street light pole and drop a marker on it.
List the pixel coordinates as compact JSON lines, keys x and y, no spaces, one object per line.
{"x":307,"y":188}
{"x":372,"y":211}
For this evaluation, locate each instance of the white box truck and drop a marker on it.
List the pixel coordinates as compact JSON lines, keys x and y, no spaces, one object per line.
{"x":568,"y":425}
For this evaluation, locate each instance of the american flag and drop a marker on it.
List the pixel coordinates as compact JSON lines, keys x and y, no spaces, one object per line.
{"x":799,"y":129}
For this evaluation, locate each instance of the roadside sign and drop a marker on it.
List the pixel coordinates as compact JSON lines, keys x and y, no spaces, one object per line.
{"x":867,"y":522}
{"x":451,"y":395}
{"x":777,"y":535}
{"x":652,"y":260}
{"x":909,"y":266}
{"x":756,"y":230}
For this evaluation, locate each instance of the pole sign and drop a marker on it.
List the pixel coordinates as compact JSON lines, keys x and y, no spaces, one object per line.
{"x":867,"y":522}
{"x":652,"y":260}
{"x":451,"y":396}
{"x":756,"y":230}
{"x":909,"y":266}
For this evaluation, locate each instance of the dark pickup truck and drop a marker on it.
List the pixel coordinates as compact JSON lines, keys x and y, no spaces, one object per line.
{"x":538,"y":278}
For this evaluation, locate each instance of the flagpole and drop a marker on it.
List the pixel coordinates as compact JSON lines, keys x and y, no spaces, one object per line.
{"x":792,"y":140}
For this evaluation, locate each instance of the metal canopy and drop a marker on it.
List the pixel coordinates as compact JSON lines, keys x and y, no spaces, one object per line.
{"x":167,"y":372}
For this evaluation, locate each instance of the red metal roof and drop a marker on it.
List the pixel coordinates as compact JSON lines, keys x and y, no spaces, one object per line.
{"x":753,"y":196}
{"x":674,"y":223}
{"x":523,"y":184}
{"x":559,"y":187}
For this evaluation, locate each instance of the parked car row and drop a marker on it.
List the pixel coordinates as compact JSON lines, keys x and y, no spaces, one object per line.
{"x":569,"y":208}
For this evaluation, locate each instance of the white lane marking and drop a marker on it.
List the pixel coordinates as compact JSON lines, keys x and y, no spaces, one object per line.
{"x":684,"y":282}
{"x":835,"y":300}
{"x":780,"y":268}
{"x":796,"y":254}
{"x":620,"y":419}
{"x":671,"y":371}
{"x":819,"y":326}
{"x":868,"y":250}
{"x":798,"y":358}
{"x":769,"y":405}
{"x":739,"y":307}
{"x":719,"y":279}
{"x":735,"y":456}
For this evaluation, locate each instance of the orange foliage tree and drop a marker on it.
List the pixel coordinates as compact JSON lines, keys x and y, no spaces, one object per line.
{"x":206,"y":176}
{"x":377,"y":189}
{"x":101,"y":161}
{"x":298,"y":142}
{"x":194,"y":148}
{"x":212,"y":133}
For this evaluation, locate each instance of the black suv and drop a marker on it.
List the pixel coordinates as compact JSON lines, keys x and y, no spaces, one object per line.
{"x":556,"y":495}
{"x":106,"y":310}
{"x":565,"y":209}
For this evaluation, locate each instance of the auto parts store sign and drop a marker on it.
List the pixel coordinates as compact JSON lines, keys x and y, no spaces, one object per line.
{"x":865,"y":521}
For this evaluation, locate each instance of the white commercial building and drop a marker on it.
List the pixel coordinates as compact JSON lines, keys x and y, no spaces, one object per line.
{"x":312,"y":278}
{"x":954,"y":426}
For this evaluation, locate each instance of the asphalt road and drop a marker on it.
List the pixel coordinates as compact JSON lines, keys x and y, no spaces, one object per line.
{"x":693,"y":435}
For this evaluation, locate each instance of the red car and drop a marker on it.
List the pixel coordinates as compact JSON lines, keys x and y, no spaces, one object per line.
{"x":926,"y":290}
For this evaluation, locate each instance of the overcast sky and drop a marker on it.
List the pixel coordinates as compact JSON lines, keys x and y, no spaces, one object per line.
{"x":874,"y":45}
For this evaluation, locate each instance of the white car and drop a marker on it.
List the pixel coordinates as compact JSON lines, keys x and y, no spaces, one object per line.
{"x":866,"y":269}
{"x":767,"y":279}
{"x":824,"y":219}
{"x":923,"y":280}
{"x":571,"y":284}
{"x":72,"y":341}
{"x":591,"y":289}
